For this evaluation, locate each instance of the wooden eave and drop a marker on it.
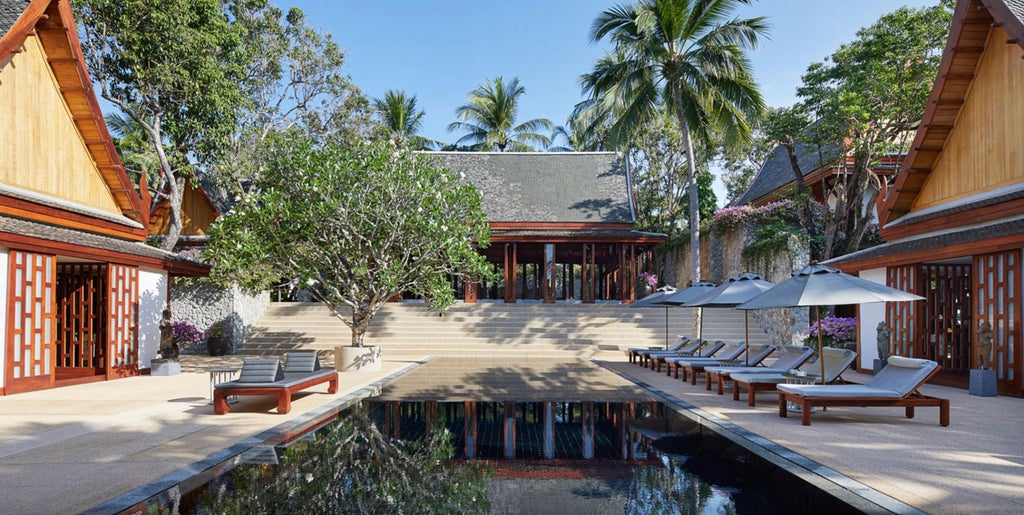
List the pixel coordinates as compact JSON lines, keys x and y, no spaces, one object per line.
{"x":556,"y":226}
{"x":52,"y":22}
{"x":812,"y":180}
{"x":957,"y":219}
{"x":1000,"y":244}
{"x":972,"y":21}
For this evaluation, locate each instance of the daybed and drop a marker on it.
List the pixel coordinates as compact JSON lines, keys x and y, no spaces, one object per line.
{"x":268,"y":377}
{"x":836,"y":361}
{"x":895,"y":385}
{"x":792,"y":357}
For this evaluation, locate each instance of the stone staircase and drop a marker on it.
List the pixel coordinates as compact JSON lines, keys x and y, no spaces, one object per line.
{"x":529,"y":330}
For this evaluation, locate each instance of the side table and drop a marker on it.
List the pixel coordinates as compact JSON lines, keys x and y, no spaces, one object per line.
{"x":222,"y":375}
{"x":802,"y":378}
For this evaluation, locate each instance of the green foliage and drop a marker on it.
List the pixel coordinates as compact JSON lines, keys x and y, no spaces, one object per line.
{"x":489,"y":119}
{"x":356,"y":469}
{"x":402,"y":119}
{"x":359,"y":224}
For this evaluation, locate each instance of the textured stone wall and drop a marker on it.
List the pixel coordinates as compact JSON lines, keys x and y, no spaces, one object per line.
{"x":203,"y":304}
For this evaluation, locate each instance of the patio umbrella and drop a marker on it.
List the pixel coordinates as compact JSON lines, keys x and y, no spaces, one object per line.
{"x":732,"y":293}
{"x":819,"y":285}
{"x":652,"y":300}
{"x":688,"y":294}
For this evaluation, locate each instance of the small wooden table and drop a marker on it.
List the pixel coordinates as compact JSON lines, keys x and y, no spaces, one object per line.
{"x":805,"y":378}
{"x":222,"y":375}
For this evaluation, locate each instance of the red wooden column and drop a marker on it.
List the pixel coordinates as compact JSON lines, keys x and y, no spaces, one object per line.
{"x":587,"y":274}
{"x":510,"y":273}
{"x":627,"y":273}
{"x":470,"y":296}
{"x":548,"y":282}
{"x":31,"y":321}
{"x":471,"y":429}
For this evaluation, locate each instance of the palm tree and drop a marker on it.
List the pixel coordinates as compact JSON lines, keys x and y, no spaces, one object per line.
{"x":402,"y":118}
{"x":688,"y":55}
{"x":489,"y":118}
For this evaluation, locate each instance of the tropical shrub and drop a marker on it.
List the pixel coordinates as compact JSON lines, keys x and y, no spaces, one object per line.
{"x":190,"y":339}
{"x":835,"y":331}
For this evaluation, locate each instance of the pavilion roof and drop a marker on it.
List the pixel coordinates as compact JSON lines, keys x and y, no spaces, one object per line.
{"x":547,"y":187}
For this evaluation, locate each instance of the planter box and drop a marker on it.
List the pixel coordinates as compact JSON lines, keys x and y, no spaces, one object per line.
{"x":983,"y":383}
{"x":357,"y":359}
{"x":164,"y":367}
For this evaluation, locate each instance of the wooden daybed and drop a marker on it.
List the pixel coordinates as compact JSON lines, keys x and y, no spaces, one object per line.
{"x":267,"y":377}
{"x":896,"y":385}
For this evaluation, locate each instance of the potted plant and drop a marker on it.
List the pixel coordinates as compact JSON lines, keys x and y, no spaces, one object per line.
{"x":357,"y":224}
{"x":188,"y":338}
{"x":648,"y":282}
{"x":218,"y":339}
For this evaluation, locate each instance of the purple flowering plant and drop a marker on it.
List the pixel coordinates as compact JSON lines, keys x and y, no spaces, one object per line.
{"x":189,"y":338}
{"x":835,"y":331}
{"x":649,"y":278}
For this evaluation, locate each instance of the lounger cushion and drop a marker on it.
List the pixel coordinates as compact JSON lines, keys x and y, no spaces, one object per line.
{"x":901,"y":377}
{"x":759,"y":378}
{"x":839,"y":391}
{"x":260,"y":371}
{"x":900,"y":361}
{"x":288,"y":380}
{"x":301,"y":361}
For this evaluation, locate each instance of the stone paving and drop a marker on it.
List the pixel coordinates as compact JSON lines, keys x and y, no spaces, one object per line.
{"x":73,"y":449}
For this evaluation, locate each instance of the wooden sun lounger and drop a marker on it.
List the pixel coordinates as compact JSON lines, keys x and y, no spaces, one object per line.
{"x":266,"y":377}
{"x":836,"y":362}
{"x":894,"y":386}
{"x":791,"y":358}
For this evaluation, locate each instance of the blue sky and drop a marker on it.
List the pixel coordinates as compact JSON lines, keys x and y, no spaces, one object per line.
{"x":440,"y":50}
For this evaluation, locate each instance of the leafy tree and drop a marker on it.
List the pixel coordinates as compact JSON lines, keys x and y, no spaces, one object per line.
{"x":489,"y":119}
{"x":294,"y":80}
{"x":685,"y":54}
{"x":171,"y":66}
{"x":358,"y":224}
{"x":741,"y":162}
{"x":353,"y":468}
{"x":135,"y":150}
{"x":869,"y":94}
{"x":402,"y":119}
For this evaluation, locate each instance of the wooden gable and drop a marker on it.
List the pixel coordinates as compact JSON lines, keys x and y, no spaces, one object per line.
{"x":969,"y":139}
{"x":197,"y":213}
{"x":55,"y":142}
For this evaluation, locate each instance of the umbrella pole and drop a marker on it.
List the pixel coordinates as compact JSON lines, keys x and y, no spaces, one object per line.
{"x":746,"y":334}
{"x":666,"y":327}
{"x":821,"y":348}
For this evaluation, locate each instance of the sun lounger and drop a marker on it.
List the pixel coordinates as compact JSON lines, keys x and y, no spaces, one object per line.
{"x":895,"y":385}
{"x":836,"y":361}
{"x":690,"y":366}
{"x":695,"y":347}
{"x":707,"y":349}
{"x":792,"y":357}
{"x":637,"y":354}
{"x":268,"y":377}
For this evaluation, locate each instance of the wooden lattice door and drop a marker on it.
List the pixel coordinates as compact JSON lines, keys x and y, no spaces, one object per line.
{"x":81,"y":323}
{"x":947,"y":317}
{"x":122,"y":321}
{"x":902,"y":317}
{"x":997,"y":296}
{"x":31,"y":321}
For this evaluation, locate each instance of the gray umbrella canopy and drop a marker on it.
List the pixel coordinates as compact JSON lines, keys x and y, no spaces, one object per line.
{"x":819,"y":285}
{"x":654,"y":298}
{"x":688,"y":294}
{"x":737,"y":290}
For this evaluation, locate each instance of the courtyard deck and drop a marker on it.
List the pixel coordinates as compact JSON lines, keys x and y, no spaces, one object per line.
{"x":73,"y":449}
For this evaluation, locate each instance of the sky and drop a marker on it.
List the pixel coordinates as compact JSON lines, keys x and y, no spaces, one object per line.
{"x":441,"y":50}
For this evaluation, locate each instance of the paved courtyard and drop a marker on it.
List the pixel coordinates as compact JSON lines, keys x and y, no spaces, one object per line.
{"x":73,"y":449}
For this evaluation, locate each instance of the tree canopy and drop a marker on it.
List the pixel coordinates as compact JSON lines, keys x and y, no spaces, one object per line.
{"x":402,"y":119}
{"x":489,"y":118}
{"x":359,"y":224}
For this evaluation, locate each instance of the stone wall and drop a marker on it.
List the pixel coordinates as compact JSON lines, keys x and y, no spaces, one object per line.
{"x":202,"y":303}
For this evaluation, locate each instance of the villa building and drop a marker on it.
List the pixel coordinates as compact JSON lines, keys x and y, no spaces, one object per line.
{"x":953,"y":220}
{"x":563,"y":225}
{"x":81,"y":294}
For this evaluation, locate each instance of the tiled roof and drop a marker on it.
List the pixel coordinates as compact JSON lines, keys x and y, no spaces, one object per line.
{"x":10,"y":11}
{"x":776,"y":172}
{"x":71,"y":236}
{"x":540,"y":235}
{"x":546,"y":187}
{"x":988,"y":198}
{"x":1017,"y":8}
{"x":920,"y":245}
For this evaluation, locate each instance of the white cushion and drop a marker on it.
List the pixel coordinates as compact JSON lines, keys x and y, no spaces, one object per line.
{"x":900,"y":361}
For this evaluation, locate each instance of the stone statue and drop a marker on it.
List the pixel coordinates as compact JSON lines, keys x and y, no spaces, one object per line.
{"x":168,"y":347}
{"x":984,"y":344}
{"x":884,"y":338}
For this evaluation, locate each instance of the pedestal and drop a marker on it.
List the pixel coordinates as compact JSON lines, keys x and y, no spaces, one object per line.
{"x":357,"y":359}
{"x":983,"y":383}
{"x":164,"y":367}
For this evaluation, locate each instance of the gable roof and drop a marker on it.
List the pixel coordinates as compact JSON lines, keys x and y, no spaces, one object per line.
{"x":972,"y":21}
{"x":547,"y":187}
{"x":52,"y":22}
{"x":776,"y":172}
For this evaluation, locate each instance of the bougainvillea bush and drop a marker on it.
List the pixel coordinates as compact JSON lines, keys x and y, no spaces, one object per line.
{"x":189,"y":338}
{"x":835,"y":331}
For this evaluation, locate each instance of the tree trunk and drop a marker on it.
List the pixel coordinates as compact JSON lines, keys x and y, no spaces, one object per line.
{"x":684,"y":127}
{"x":807,"y":214}
{"x":360,"y":322}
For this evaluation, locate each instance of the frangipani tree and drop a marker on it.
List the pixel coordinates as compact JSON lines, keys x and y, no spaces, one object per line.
{"x":359,"y":224}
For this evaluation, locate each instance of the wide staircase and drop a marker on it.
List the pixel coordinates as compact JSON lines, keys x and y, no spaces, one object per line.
{"x":529,"y":330}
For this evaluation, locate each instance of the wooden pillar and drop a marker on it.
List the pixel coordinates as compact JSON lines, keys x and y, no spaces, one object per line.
{"x":470,"y":297}
{"x":392,"y":416}
{"x":430,"y":415}
{"x":587,"y":419}
{"x":470,"y":424}
{"x":509,"y":438}
{"x":549,"y":430}
{"x":510,"y":273}
{"x":587,"y":272}
{"x":547,"y":275}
